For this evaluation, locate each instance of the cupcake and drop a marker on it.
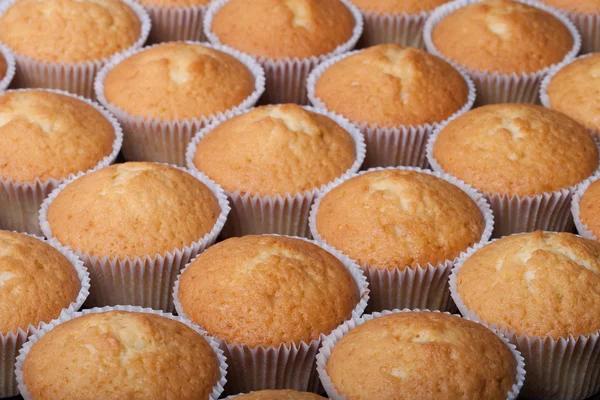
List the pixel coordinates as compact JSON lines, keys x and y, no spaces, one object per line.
{"x":186,"y":85}
{"x":585,"y":14}
{"x":135,"y":225}
{"x":270,"y":300}
{"x":525,"y":159}
{"x":405,"y":227}
{"x":284,"y":394}
{"x":585,"y":208}
{"x":38,"y":279}
{"x":7,"y":67}
{"x":174,"y":20}
{"x":506,"y":46}
{"x":397,"y":96}
{"x":120,"y":352}
{"x":62,"y":44}
{"x":45,"y":138}
{"x":395,"y":21}
{"x":541,"y":290}
{"x":418,"y":355}
{"x":272,"y":161}
{"x":288,"y":38}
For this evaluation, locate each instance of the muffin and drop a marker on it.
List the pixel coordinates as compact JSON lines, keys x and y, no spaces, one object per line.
{"x":395,"y":95}
{"x":289,"y":38}
{"x":418,"y":223}
{"x":45,"y":137}
{"x":185,"y":86}
{"x":539,"y":287}
{"x":7,"y":67}
{"x":281,"y":154}
{"x":120,"y":354}
{"x":276,"y":292}
{"x":284,"y":394}
{"x":135,"y":225}
{"x":74,"y":36}
{"x":585,"y":14}
{"x":506,"y":46}
{"x":586,"y":209}
{"x":419,"y":355}
{"x":174,"y":20}
{"x":511,"y":153}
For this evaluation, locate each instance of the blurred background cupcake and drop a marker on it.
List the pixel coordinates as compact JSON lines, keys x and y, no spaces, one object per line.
{"x":283,"y":394}
{"x":585,"y":14}
{"x":174,"y":20}
{"x":7,"y":67}
{"x":585,"y":208}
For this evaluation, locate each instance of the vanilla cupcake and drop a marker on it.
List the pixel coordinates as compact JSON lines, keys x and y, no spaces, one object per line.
{"x":585,"y":14}
{"x":186,"y":85}
{"x":397,"y":96}
{"x":585,"y":208}
{"x":62,"y":44}
{"x":283,"y":394}
{"x":174,"y":20}
{"x":272,"y":161}
{"x":45,"y":138}
{"x":7,"y":67}
{"x":288,"y":37}
{"x":270,"y":300}
{"x":540,"y":289}
{"x":525,"y":159}
{"x":135,"y":225}
{"x":506,"y":46}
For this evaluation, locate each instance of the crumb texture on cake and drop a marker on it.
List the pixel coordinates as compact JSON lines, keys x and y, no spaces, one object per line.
{"x":47,"y":135}
{"x":69,"y":31}
{"x":398,"y":6}
{"x":389,"y":85}
{"x":577,"y":6}
{"x":589,"y":208}
{"x":36,"y":282}
{"x":175,"y":3}
{"x":178,"y":81}
{"x":267,"y":290}
{"x":516,"y":149}
{"x":502,"y":36}
{"x":121,"y":355}
{"x":409,"y":356}
{"x":543,"y":284}
{"x":279,"y":29}
{"x":399,"y":219}
{"x":134,"y":209}
{"x":283,"y":394}
{"x":270,"y":150}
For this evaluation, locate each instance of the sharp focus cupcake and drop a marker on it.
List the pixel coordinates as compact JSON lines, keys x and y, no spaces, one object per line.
{"x":7,"y":67}
{"x":174,"y":20}
{"x":585,"y":14}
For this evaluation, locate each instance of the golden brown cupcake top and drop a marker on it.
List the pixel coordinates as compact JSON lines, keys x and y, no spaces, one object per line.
{"x":589,"y":208}
{"x":69,"y":31}
{"x":284,"y":394}
{"x":3,"y":67}
{"x":36,"y":282}
{"x":422,"y":355}
{"x":279,"y":29}
{"x":578,"y":6}
{"x":133,"y":210}
{"x":117,"y":355}
{"x":47,"y":135}
{"x":276,"y":150}
{"x":267,"y":291}
{"x":543,"y":284}
{"x":575,"y":91}
{"x":398,"y":6}
{"x":178,"y":81}
{"x":388,"y":85}
{"x":517,"y":149}
{"x":175,"y":3}
{"x":502,"y":36}
{"x":399,"y":219}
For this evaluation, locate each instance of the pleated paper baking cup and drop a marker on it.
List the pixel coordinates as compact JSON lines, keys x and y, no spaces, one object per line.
{"x":567,"y":368}
{"x":285,"y":366}
{"x":76,"y":78}
{"x":160,"y":140}
{"x":8,"y":57}
{"x":286,"y":214}
{"x":286,"y":78}
{"x":140,"y":281}
{"x":493,"y":87}
{"x":21,"y":201}
{"x":588,"y":26}
{"x":404,"y":29}
{"x":13,"y":341}
{"x":582,"y":228}
{"x":402,"y":145}
{"x":337,"y":335}
{"x":67,"y":316}
{"x":171,"y":24}
{"x":424,"y":286}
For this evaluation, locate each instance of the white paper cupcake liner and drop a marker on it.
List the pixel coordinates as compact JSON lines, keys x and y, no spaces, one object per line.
{"x":493,"y":87}
{"x":21,"y":201}
{"x":390,"y":147}
{"x":8,"y":57}
{"x":13,"y":341}
{"x":159,"y":140}
{"x":340,"y":332}
{"x":76,"y":78}
{"x":67,"y":316}
{"x":140,"y":281}
{"x":404,"y":29}
{"x":286,"y":78}
{"x":588,"y":26}
{"x":285,"y":215}
{"x":582,"y":228}
{"x":171,"y":24}
{"x":425,"y":286}
{"x":567,"y":368}
{"x":286,"y":366}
